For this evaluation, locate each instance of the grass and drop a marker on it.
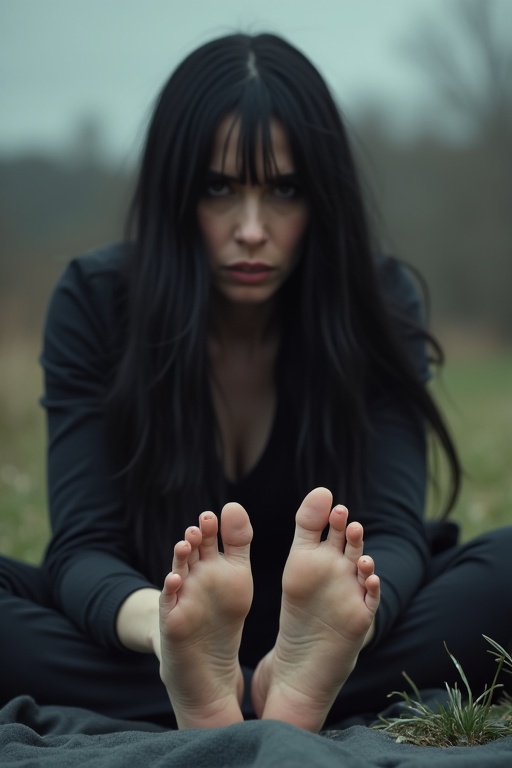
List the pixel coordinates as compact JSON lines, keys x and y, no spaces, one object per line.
{"x":476,"y":397}
{"x":463,"y":721}
{"x":24,"y":528}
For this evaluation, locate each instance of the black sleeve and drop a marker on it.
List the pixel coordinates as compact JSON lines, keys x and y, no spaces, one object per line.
{"x":395,"y":497}
{"x":88,"y":556}
{"x":404,"y":301}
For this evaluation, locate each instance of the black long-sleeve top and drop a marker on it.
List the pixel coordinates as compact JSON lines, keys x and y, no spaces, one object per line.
{"x":89,"y":555}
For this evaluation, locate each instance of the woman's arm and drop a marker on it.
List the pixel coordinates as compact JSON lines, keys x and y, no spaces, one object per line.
{"x":89,"y":556}
{"x":392,"y":514}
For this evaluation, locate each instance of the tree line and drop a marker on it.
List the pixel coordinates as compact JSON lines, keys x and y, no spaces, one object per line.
{"x":444,"y":207}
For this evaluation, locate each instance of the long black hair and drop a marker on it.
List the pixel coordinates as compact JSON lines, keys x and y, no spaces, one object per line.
{"x":334,"y":315}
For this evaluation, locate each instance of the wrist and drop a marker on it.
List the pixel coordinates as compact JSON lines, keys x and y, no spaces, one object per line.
{"x":137,"y":624}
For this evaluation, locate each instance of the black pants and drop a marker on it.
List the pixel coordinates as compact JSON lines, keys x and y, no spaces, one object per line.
{"x":468,"y":593}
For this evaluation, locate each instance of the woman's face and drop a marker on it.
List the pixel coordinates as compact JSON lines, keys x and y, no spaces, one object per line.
{"x":253,"y":231}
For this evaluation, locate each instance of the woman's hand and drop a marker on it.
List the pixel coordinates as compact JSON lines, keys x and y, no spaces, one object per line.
{"x":137,"y":623}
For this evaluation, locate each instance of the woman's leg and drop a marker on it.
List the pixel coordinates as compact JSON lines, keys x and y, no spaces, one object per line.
{"x":468,"y":594}
{"x":46,"y":656}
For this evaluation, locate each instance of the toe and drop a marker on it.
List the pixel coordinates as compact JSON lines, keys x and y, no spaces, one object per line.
{"x":365,"y":566}
{"x":337,"y":525}
{"x":354,"y":546}
{"x":236,"y":531}
{"x":365,"y":569}
{"x":313,"y":516}
{"x":209,"y":525}
{"x":180,"y":564}
{"x":168,"y":597}
{"x":372,"y":597}
{"x":193,"y":536}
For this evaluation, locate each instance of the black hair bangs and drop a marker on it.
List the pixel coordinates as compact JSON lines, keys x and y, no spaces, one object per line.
{"x":253,"y":116}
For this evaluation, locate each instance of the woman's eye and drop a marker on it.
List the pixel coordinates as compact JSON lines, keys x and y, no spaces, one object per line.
{"x":217,"y":189}
{"x":286,"y":191}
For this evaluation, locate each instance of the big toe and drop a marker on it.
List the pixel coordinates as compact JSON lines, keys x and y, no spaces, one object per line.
{"x":313,"y":515}
{"x":235,"y":530}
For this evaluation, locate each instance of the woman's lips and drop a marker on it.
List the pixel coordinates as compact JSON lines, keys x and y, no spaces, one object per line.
{"x":249,"y":273}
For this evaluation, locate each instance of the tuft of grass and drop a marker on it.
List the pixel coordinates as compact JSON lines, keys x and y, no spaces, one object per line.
{"x":463,"y":720}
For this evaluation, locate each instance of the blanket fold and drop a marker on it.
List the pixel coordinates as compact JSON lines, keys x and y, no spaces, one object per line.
{"x":65,"y":737}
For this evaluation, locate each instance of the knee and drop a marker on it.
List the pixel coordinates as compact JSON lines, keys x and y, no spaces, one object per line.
{"x":499,"y":539}
{"x":23,"y":580}
{"x":494,"y":548}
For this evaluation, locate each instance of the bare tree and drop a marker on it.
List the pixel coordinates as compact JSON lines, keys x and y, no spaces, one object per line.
{"x":469,"y":61}
{"x":482,"y":96}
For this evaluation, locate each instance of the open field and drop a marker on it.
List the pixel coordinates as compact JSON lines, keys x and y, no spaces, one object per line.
{"x":23,"y":517}
{"x":476,"y":396}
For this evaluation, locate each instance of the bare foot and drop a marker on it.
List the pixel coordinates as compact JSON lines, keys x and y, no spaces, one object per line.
{"x":330,"y":597}
{"x":203,"y":605}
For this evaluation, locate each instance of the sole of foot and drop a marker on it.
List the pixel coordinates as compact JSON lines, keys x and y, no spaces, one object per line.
{"x":330,"y":597}
{"x":203,"y":605}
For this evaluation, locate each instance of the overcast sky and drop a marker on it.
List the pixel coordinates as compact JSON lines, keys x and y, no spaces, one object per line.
{"x":63,"y":60}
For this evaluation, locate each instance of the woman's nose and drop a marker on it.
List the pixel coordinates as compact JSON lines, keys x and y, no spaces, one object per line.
{"x":250,"y":227}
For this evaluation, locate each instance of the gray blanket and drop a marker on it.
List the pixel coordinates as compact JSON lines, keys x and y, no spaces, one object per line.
{"x":64,"y":737}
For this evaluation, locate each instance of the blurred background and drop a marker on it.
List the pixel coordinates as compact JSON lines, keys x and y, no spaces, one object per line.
{"x":426,"y":89}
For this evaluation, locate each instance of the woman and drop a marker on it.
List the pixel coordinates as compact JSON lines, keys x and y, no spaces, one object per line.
{"x":246,"y":344}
